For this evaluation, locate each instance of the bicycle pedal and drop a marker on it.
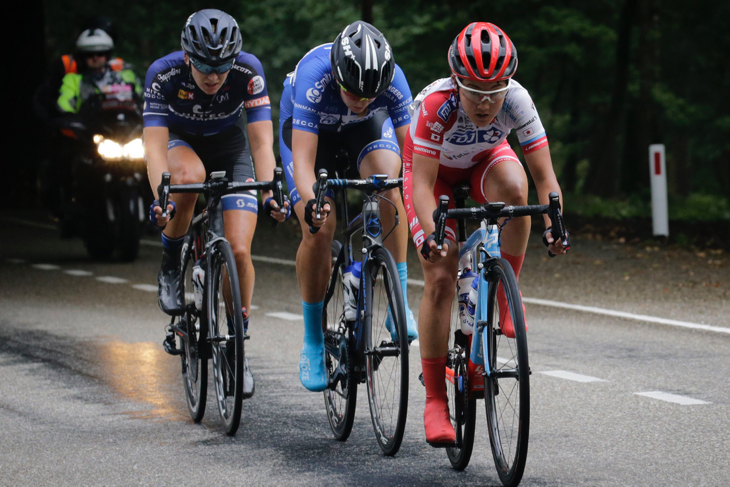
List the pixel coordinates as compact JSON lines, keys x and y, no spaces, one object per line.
{"x":423,"y":382}
{"x":169,"y":345}
{"x":246,"y":337}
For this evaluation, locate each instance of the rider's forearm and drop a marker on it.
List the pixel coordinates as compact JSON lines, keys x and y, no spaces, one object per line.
{"x":424,"y":205}
{"x":541,"y":169}
{"x":305,"y":155}
{"x":155,"y":144}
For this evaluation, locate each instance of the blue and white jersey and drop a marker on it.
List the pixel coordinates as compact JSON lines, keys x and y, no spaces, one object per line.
{"x":315,"y":103}
{"x":174,"y":100}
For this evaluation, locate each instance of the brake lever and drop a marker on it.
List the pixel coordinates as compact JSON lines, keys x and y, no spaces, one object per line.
{"x":557,"y":228}
{"x":163,"y":192}
{"x":278,"y":189}
{"x":439,"y":218}
{"x":320,"y":187}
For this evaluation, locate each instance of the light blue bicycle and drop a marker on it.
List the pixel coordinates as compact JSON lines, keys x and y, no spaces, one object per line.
{"x":488,"y":364}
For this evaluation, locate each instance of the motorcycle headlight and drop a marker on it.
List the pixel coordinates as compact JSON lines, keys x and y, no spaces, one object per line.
{"x":134,"y":150}
{"x":110,"y":150}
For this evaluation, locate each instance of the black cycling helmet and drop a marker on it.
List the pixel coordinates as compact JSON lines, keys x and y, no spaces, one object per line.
{"x":211,"y":36}
{"x":362,"y":60}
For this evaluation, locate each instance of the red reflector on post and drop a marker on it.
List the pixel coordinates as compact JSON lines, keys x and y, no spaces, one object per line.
{"x":657,"y":163}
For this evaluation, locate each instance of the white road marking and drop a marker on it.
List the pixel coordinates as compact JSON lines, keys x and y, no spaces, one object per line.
{"x":674,"y":398}
{"x":16,"y":261}
{"x":421,"y":283}
{"x":283,"y":315}
{"x":78,"y":272}
{"x":111,"y":280}
{"x":564,"y":374}
{"x":145,"y":287}
{"x":47,"y":267}
{"x":628,"y":316}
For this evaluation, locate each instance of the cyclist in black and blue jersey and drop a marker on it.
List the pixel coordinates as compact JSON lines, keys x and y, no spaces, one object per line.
{"x":193,"y":120}
{"x":346,"y":96}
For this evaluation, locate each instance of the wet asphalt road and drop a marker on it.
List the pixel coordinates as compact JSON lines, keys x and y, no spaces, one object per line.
{"x":88,"y":397}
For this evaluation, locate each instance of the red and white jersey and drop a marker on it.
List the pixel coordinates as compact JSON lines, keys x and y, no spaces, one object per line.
{"x":440,"y":128}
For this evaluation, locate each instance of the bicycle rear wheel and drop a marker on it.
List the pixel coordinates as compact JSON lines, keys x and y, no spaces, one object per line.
{"x":507,"y":388}
{"x":340,"y":397}
{"x":386,"y":351}
{"x":194,"y":362}
{"x":463,"y":410}
{"x":226,"y":333}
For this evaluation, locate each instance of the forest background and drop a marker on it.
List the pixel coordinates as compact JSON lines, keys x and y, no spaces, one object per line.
{"x":608,"y":77}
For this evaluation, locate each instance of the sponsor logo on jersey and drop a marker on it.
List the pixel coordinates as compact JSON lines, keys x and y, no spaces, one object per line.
{"x":388,"y":133}
{"x":436,"y":137}
{"x":396,"y":92}
{"x":185,"y":95}
{"x":425,"y":150}
{"x":256,"y":85}
{"x":445,"y":110}
{"x":435,"y":126}
{"x":524,"y":124}
{"x":314,"y":95}
{"x":240,"y":68}
{"x":165,"y":77}
{"x":328,"y":119}
{"x":491,"y":136}
{"x":264,"y":100}
{"x":155,"y":86}
{"x":304,"y":123}
{"x":222,"y":97}
{"x":423,"y":109}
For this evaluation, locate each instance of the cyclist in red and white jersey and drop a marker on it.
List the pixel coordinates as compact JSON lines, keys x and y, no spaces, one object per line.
{"x":459,"y":134}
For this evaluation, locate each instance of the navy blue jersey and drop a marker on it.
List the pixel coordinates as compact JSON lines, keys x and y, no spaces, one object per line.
{"x":173,"y":99}
{"x":315,"y":101}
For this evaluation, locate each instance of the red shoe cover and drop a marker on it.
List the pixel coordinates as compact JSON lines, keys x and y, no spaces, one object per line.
{"x":436,"y":414}
{"x":505,"y":319}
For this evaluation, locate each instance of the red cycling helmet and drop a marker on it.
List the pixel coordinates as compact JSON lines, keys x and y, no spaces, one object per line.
{"x":483,"y":52}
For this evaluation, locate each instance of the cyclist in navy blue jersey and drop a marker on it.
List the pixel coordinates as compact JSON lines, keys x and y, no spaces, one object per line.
{"x":194,"y":101}
{"x":351,"y":97}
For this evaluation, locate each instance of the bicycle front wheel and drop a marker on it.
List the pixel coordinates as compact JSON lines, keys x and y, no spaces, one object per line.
{"x":386,"y":350}
{"x":194,"y":363}
{"x":340,"y":397}
{"x":507,"y":386}
{"x":226,"y":333}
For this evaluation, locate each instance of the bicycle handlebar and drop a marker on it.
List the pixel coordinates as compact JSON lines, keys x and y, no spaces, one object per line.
{"x":493,"y":211}
{"x":375,"y":183}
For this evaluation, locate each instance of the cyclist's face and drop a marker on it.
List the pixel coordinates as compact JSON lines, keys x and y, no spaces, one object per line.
{"x":356,"y":104}
{"x":209,"y":83}
{"x":481,"y":113}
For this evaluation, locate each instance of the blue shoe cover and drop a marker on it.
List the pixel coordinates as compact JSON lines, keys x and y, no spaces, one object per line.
{"x":312,"y":372}
{"x":412,"y":326}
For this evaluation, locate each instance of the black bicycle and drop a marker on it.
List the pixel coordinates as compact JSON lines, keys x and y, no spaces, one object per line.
{"x":485,"y":362}
{"x":212,"y":328}
{"x":373,"y":347}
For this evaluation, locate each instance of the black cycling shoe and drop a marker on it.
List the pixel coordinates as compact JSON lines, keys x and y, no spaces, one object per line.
{"x":169,"y":343}
{"x":169,"y":285}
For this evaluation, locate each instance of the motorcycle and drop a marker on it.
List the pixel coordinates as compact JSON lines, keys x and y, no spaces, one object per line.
{"x":109,"y":192}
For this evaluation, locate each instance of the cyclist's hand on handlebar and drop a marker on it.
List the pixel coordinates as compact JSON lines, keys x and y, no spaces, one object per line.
{"x":275,"y":212}
{"x":310,"y":213}
{"x":156,"y":213}
{"x":555,"y":247}
{"x":430,"y":252}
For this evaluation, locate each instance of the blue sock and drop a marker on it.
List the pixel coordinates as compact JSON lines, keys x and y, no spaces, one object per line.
{"x":172,"y":244}
{"x":403,"y":274}
{"x":313,"y":323}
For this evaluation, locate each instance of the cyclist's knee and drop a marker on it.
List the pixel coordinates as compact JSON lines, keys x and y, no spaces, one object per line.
{"x":440,"y":282}
{"x":241,"y":252}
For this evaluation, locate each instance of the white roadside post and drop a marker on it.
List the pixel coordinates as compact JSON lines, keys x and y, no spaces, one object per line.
{"x":659,"y":206}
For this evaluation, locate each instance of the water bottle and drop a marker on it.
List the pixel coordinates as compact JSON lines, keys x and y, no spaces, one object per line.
{"x":198,"y":280}
{"x":464,"y":289}
{"x":351,"y":281}
{"x":467,"y":322}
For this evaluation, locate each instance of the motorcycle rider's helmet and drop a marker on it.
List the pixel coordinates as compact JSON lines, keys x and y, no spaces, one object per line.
{"x":483,"y":52}
{"x":362,"y":60}
{"x":212,"y":37}
{"x":94,"y":41}
{"x":103,"y":23}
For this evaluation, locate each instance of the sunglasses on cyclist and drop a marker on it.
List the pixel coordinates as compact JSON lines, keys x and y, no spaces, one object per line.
{"x":207,"y":68}
{"x":353,"y":97}
{"x":479,"y":96}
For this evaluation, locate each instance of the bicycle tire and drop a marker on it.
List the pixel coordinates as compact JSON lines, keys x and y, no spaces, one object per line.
{"x":226,"y":335}
{"x":340,"y":397}
{"x":194,"y":365}
{"x":463,"y":410}
{"x":386,"y":356}
{"x":507,"y":388}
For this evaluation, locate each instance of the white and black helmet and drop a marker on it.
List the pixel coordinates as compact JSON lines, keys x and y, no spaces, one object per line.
{"x":211,"y":36}
{"x":362,"y":60}
{"x":94,"y":40}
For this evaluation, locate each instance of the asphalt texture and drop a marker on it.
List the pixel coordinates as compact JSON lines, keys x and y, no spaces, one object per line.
{"x":88,"y":397}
